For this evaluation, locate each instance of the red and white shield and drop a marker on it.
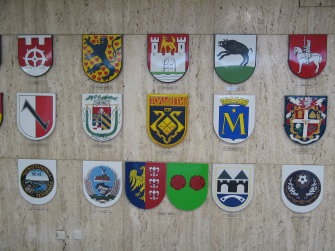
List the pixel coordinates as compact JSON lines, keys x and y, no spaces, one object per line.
{"x":36,"y":113}
{"x":35,"y":54}
{"x":307,"y":54}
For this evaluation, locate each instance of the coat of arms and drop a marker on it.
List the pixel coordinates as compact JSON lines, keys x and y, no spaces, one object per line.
{"x":234,"y":117}
{"x":235,"y":57}
{"x":37,"y":180}
{"x":305,"y":118}
{"x":302,"y":187}
{"x":36,"y":114}
{"x":35,"y":54}
{"x":102,"y":115}
{"x":187,"y":184}
{"x":102,"y":56}
{"x":145,"y":183}
{"x":307,"y":54}
{"x":102,"y":182}
{"x":167,"y":118}
{"x":232,"y":185}
{"x":168,"y":56}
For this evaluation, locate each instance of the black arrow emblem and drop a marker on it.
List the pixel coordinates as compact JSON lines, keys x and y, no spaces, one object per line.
{"x":37,"y":117}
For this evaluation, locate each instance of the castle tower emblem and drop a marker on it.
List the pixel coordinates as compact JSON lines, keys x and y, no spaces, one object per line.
{"x":168,"y":56}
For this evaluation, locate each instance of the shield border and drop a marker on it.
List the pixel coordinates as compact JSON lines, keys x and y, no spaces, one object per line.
{"x":121,"y":62}
{"x":51,"y":51}
{"x":215,"y":174}
{"x":252,"y":114}
{"x":120,"y":120}
{"x":186,"y":54}
{"x":290,"y":49}
{"x":186,"y":96}
{"x":286,"y":126}
{"x":317,"y":170}
{"x":201,"y":167}
{"x":233,"y":36}
{"x":114,"y":165}
{"x":146,"y":164}
{"x":19,"y":111}
{"x":51,"y":166}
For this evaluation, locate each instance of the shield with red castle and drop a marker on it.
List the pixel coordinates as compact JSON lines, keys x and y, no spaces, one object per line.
{"x":36,"y":114}
{"x":168,"y":56}
{"x":305,"y":118}
{"x":307,"y":54}
{"x":145,"y":183}
{"x":187,"y":184}
{"x":35,"y":54}
{"x":102,"y":56}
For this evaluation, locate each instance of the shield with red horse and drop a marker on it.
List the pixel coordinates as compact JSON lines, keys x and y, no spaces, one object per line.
{"x":307,"y":54}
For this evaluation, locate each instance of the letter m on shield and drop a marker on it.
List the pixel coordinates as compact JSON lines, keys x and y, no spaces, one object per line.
{"x":233,"y":122}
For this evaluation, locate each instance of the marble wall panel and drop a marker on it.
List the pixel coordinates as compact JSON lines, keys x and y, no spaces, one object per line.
{"x":259,"y":17}
{"x":61,"y":17}
{"x":264,"y":225}
{"x":194,"y":17}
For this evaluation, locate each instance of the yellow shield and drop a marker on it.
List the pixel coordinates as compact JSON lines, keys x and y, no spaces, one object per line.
{"x":167,"y":118}
{"x":102,"y":56}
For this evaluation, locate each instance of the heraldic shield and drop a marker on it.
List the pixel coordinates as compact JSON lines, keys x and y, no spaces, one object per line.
{"x":187,"y":184}
{"x":35,"y":54}
{"x":307,"y":54}
{"x":37,"y":180}
{"x":168,"y":56}
{"x":305,"y":118}
{"x":102,"y":115}
{"x":102,"y":182}
{"x":232,"y":185}
{"x":102,"y":56}
{"x":167,"y":118}
{"x":234,"y":117}
{"x":36,"y":114}
{"x":145,"y":183}
{"x":235,"y":57}
{"x":302,"y":187}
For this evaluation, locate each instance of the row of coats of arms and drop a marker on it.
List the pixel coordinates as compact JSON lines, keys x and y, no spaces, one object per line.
{"x":168,"y":56}
{"x":186,"y":184}
{"x":167,"y":116}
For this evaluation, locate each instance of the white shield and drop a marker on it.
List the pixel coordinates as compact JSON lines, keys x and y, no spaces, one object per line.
{"x":302,"y":187}
{"x":232,"y":185}
{"x":102,"y":115}
{"x":36,"y":114}
{"x":37,"y":180}
{"x":102,"y":182}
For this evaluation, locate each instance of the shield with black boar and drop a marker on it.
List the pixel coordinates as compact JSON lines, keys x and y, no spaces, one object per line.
{"x":235,"y":57}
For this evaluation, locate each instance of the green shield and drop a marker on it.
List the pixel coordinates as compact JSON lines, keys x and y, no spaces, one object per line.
{"x":187,"y":184}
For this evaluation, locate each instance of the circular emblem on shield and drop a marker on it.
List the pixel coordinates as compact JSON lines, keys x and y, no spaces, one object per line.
{"x":102,"y":185}
{"x":302,"y":188}
{"x":37,"y":181}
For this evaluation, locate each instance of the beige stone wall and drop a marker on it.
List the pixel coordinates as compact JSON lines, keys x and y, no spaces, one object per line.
{"x":266,"y":224}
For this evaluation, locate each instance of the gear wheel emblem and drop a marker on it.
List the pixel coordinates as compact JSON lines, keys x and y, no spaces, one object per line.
{"x":35,"y":57}
{"x":302,"y":179}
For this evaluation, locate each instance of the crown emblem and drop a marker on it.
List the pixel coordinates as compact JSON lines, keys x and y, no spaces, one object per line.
{"x":234,"y":101}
